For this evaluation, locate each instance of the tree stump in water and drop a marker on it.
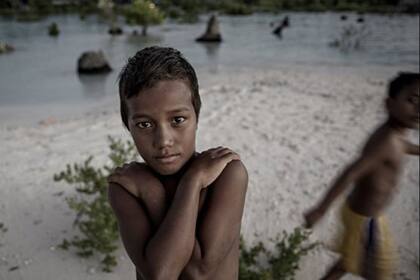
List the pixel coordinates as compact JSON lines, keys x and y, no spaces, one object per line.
{"x":212,"y":33}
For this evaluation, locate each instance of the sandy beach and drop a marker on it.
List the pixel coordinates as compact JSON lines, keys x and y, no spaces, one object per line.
{"x":295,"y":129}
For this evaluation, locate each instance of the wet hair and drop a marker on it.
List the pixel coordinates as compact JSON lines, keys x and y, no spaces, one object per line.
{"x":401,"y":81}
{"x":150,"y":66}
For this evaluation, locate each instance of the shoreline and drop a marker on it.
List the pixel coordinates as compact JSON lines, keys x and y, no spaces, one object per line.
{"x":27,"y":115}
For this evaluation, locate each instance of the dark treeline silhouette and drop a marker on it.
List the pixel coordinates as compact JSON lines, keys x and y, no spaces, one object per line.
{"x":244,"y":5}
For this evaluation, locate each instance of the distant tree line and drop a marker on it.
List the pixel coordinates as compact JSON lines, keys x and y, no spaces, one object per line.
{"x":190,"y":8}
{"x":334,"y":5}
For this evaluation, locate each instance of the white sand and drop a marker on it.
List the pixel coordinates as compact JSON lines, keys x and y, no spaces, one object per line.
{"x":295,"y":129}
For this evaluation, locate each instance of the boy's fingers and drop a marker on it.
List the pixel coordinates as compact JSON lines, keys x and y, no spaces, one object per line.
{"x":223,"y":151}
{"x":117,"y":178}
{"x":213,"y":149}
{"x":214,"y":153}
{"x":120,"y":170}
{"x":113,"y":178}
{"x":117,"y":169}
{"x":229,"y":156}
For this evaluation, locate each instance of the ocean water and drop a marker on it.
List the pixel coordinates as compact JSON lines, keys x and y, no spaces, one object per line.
{"x":39,"y":79}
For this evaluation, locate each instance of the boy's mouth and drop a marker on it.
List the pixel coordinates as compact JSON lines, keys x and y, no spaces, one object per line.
{"x":167,"y":159}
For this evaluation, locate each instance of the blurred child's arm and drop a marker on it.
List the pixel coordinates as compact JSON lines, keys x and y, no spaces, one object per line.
{"x":412,"y":149}
{"x":220,"y":223}
{"x":352,"y":173}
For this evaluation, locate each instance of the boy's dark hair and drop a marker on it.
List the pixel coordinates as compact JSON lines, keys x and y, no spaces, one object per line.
{"x":402,"y":80}
{"x":151,"y":65}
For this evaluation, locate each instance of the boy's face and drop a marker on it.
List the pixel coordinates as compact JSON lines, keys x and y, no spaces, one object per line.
{"x":405,"y":106}
{"x":163,"y":124}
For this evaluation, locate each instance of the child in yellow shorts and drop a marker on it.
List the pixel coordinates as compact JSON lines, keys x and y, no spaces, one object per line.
{"x":367,"y":248}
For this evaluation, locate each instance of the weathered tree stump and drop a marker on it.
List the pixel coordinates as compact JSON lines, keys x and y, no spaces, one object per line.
{"x":212,"y":33}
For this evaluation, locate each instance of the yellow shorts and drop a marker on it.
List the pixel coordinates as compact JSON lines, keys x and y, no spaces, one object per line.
{"x":367,"y":247}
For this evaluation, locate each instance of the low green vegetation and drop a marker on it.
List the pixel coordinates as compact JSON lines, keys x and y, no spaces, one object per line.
{"x":96,"y":229}
{"x":281,"y":263}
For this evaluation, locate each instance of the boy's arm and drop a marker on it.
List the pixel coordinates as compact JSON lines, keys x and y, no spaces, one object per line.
{"x":412,"y":149}
{"x":352,"y":173}
{"x":163,"y":254}
{"x":134,"y":226}
{"x":132,"y":178}
{"x":219,"y":227}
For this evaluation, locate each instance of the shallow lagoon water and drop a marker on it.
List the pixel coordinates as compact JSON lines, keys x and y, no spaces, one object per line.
{"x":39,"y":79}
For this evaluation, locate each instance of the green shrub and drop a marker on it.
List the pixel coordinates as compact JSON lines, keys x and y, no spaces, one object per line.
{"x":95,"y":219}
{"x":234,"y":8}
{"x":283,"y":263}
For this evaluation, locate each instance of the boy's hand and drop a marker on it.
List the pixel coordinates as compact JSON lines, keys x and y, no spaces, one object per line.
{"x":208,"y":165}
{"x":312,"y":217}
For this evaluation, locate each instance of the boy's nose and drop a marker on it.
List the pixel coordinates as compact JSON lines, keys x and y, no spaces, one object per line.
{"x":163,"y":138}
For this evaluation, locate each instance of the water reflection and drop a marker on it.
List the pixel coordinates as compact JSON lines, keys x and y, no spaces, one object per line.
{"x":135,"y":38}
{"x":93,"y":86}
{"x":212,"y":52}
{"x":212,"y":49}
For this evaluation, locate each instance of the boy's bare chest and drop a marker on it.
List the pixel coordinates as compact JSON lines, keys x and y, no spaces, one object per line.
{"x":389,"y":162}
{"x":170,"y":194}
{"x":384,"y":177}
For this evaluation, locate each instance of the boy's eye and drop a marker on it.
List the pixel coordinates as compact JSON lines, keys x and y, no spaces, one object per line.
{"x":144,"y":124}
{"x":178,"y":120}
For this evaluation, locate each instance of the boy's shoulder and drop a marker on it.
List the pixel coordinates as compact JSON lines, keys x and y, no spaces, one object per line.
{"x":235,"y":172}
{"x":381,"y":139}
{"x":384,"y":142}
{"x":132,"y":174}
{"x":236,"y":168}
